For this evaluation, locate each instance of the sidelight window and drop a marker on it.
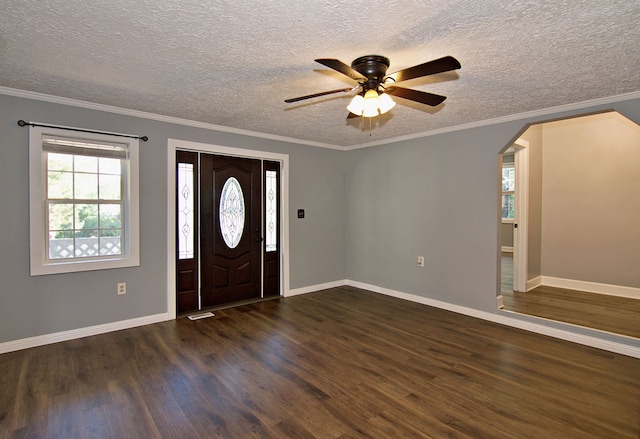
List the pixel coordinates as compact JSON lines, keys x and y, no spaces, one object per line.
{"x":186,"y":208}
{"x":271,"y":211}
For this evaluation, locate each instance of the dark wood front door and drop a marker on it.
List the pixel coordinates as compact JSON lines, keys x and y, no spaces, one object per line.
{"x":230,"y":227}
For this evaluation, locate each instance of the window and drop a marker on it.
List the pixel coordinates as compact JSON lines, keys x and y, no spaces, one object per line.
{"x":271,"y":211}
{"x":508,"y":188}
{"x":231,"y":212}
{"x":83,"y":201}
{"x":186,"y":210}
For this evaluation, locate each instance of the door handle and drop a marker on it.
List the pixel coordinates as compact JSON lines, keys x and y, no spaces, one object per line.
{"x":259,"y":239}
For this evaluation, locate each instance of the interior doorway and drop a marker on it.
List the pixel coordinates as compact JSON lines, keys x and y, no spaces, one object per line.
{"x":582,"y":238}
{"x":514,"y":216}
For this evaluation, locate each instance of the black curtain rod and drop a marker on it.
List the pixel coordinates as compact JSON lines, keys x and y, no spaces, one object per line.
{"x":23,"y":123}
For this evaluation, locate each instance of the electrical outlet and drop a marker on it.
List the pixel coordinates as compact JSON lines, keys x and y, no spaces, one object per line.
{"x":122,"y":288}
{"x":420,"y":261}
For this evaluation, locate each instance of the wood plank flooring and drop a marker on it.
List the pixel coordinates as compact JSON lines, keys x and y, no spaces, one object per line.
{"x":340,"y":363}
{"x":619,"y":315}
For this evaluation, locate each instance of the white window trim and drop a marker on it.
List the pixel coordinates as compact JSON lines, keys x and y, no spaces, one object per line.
{"x":37,"y":227}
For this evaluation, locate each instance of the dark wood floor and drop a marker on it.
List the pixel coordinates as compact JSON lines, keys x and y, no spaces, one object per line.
{"x":620,"y":315}
{"x":341,"y":363}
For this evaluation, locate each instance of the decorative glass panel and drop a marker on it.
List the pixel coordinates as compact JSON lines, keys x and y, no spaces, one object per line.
{"x":185,"y":211}
{"x":231,"y":212}
{"x":271,"y":214}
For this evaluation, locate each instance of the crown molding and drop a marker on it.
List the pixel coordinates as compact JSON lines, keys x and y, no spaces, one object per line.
{"x":510,"y":118}
{"x":208,"y":126}
{"x":158,"y":117}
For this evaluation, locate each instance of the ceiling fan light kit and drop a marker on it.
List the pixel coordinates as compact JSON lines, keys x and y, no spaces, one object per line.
{"x":357,"y":104}
{"x":385,"y":103}
{"x":370,"y":104}
{"x":370,"y":72}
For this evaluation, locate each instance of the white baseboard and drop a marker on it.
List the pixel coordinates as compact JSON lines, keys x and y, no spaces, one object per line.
{"x":72,"y":334}
{"x":591,"y":287}
{"x":506,"y":249}
{"x":314,"y":288}
{"x":505,"y":318}
{"x":534,"y":283}
{"x":498,"y":317}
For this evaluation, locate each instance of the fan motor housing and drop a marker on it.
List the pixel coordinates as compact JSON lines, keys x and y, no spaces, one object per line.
{"x":371,"y":66}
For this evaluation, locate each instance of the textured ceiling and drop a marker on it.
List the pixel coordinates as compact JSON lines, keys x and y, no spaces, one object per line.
{"x":232,"y":63}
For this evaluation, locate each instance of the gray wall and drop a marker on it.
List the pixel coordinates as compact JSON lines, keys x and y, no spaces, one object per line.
{"x":370,"y":213}
{"x":435,"y":197}
{"x":31,"y":306}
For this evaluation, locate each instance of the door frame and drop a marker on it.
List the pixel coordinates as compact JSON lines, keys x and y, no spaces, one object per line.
{"x":172,"y":146}
{"x":520,"y":241}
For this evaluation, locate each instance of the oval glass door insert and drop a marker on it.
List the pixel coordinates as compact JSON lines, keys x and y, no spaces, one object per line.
{"x":231,"y":212}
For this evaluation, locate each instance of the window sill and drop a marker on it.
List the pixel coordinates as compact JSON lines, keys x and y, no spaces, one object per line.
{"x":79,"y":266}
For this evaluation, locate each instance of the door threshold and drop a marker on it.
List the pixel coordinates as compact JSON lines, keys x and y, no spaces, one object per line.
{"x":229,"y":305}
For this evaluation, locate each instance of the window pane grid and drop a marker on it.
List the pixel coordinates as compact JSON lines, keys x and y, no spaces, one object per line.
{"x":508,"y":191}
{"x":84,"y":229}
{"x":84,"y":206}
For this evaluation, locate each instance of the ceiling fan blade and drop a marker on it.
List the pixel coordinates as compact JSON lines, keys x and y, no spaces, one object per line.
{"x":315,"y":95}
{"x":429,"y":68}
{"x":416,"y":95}
{"x":341,"y":67}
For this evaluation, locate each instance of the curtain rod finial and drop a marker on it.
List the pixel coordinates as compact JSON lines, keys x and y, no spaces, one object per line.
{"x":144,"y":138}
{"x":22,"y":123}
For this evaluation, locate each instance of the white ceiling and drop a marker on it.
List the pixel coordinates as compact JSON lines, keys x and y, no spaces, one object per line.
{"x":232,"y":63}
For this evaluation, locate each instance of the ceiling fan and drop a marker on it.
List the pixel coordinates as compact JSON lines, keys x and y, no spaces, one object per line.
{"x":370,"y":71}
